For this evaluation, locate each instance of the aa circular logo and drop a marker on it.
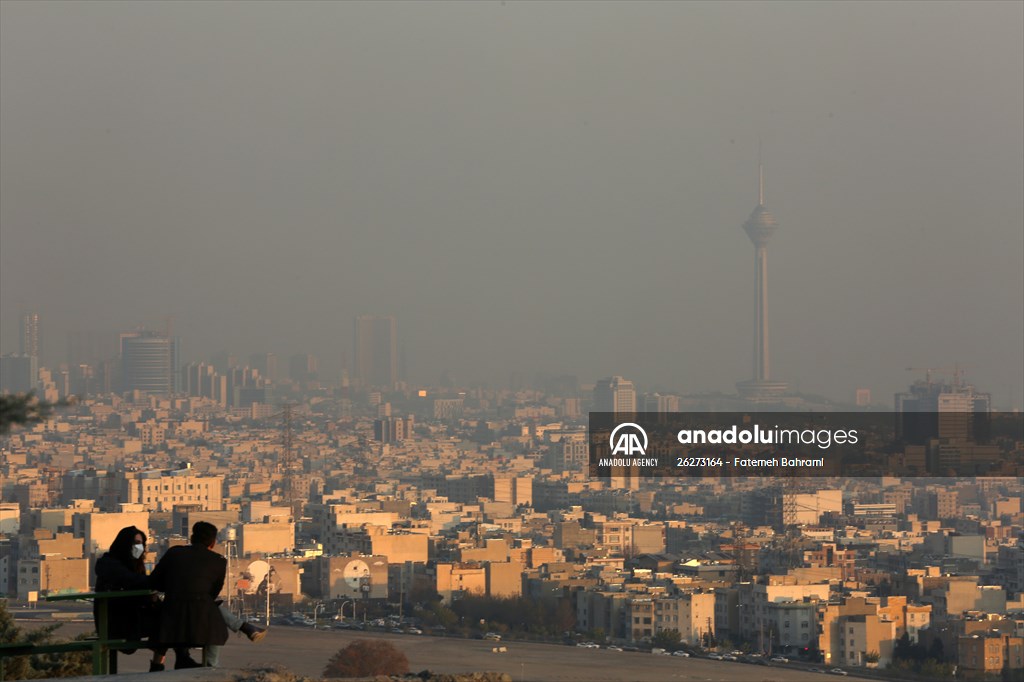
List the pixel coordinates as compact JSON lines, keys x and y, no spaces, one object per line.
{"x":628,"y":439}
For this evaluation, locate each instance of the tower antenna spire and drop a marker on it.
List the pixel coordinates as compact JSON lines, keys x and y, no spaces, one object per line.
{"x":760,"y":176}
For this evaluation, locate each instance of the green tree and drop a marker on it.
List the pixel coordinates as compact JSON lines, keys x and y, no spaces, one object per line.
{"x":564,"y":616}
{"x":444,"y":616}
{"x":39,"y":665}
{"x":667,"y":639}
{"x":545,"y":617}
{"x":22,"y":409}
{"x":903,"y":651}
{"x":933,"y":669}
{"x":937,"y":650}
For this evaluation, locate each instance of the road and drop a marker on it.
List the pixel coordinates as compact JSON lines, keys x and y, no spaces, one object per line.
{"x":306,"y":651}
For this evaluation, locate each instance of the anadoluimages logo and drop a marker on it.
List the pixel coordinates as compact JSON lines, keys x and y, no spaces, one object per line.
{"x":628,"y":442}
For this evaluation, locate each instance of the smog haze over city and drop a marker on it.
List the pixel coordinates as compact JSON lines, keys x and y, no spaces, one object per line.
{"x":549,"y":188}
{"x":603,"y":341}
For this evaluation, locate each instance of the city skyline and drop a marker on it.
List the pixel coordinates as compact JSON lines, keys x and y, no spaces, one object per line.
{"x":303,"y":368}
{"x":307,"y":365}
{"x":442,"y":315}
{"x":484,"y":196}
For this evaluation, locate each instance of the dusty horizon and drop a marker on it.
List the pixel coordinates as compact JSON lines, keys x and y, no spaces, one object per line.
{"x":528,"y":188}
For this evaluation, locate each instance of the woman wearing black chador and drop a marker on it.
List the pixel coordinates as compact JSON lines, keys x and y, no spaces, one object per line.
{"x":123,"y":568}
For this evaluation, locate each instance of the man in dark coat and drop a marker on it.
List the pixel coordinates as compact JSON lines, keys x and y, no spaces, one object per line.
{"x":191,"y":577}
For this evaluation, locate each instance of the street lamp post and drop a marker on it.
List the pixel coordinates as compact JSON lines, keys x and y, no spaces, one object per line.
{"x":401,"y":592}
{"x":269,"y":574}
{"x":364,"y":588}
{"x":230,"y":537}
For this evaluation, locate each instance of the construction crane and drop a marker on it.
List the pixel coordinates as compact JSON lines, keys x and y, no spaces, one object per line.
{"x":957,"y":371}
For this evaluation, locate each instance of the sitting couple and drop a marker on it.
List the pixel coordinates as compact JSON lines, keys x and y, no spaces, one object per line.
{"x":191,"y":614}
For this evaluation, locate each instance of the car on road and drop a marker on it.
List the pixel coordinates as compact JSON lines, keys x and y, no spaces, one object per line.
{"x":683,"y":654}
{"x":837,"y":671}
{"x":715,"y":657}
{"x":730,"y":657}
{"x":614,"y":648}
{"x":815,"y":670}
{"x":492,"y":637}
{"x":779,"y":659}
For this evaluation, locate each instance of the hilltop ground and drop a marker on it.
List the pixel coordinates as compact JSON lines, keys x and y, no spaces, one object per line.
{"x":305,"y":652}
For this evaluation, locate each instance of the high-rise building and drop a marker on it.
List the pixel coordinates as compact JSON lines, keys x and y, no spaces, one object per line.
{"x":149,"y":363}
{"x":656,"y":402}
{"x":376,"y":351}
{"x":392,"y":429}
{"x":942,"y":410}
{"x":224,"y":360}
{"x":91,"y":348}
{"x":760,"y":227}
{"x":448,"y":408}
{"x":29,"y":334}
{"x":303,"y":368}
{"x":83,"y":380}
{"x":19,"y":373}
{"x":200,"y":380}
{"x":266,"y":363}
{"x":614,"y":394}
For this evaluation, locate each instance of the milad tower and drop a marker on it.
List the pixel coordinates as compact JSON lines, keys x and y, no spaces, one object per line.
{"x":760,"y":227}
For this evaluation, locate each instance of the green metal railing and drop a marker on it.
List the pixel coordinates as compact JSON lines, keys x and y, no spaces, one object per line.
{"x":104,"y":650}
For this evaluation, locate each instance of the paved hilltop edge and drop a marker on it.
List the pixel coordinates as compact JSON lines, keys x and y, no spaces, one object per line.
{"x":282,"y":674}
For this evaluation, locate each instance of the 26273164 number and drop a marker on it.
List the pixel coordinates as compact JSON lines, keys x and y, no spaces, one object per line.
{"x":698,"y":461}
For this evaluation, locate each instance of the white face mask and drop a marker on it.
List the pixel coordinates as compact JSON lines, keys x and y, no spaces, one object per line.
{"x":137,"y":551}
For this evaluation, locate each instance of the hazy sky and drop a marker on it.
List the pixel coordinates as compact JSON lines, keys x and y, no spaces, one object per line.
{"x":526,"y":186}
